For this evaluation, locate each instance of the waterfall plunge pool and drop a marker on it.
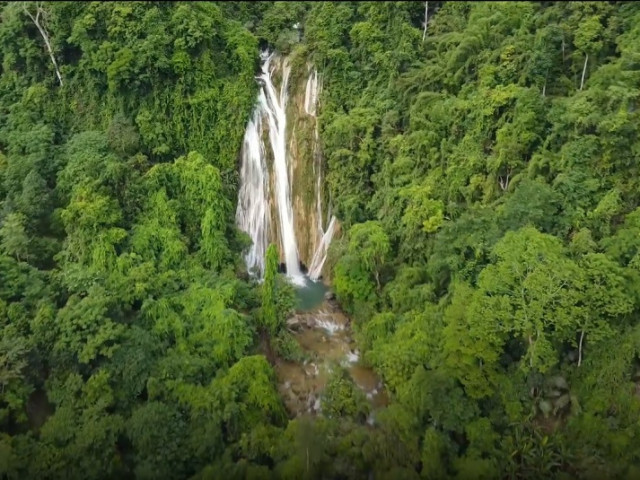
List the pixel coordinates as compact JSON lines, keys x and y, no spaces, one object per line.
{"x":310,"y":295}
{"x":323,"y":332}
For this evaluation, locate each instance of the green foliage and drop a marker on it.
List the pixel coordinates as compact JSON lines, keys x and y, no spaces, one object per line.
{"x":15,"y":241}
{"x":485,"y":174}
{"x":117,"y":288}
{"x":155,"y":425}
{"x":342,"y":398}
{"x":507,"y":196}
{"x":269,"y":313}
{"x":357,"y":274}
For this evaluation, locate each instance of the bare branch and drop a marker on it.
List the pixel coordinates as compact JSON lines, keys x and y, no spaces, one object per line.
{"x":43,"y":32}
{"x":584,"y":70}
{"x":504,"y":182}
{"x":580,"y":348}
{"x":426,"y":20}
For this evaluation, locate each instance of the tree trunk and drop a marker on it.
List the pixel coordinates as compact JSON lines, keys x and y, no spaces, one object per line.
{"x":378,"y":280}
{"x":426,"y":19}
{"x":265,"y":343}
{"x":45,"y":37}
{"x":563,"y":50}
{"x":544,"y":89}
{"x":584,"y":70}
{"x":580,"y":348}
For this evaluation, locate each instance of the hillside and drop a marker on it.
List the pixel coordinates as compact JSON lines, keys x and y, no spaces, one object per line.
{"x":480,"y":159}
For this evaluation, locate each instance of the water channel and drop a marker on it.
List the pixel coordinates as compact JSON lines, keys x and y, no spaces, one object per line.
{"x":323,"y":332}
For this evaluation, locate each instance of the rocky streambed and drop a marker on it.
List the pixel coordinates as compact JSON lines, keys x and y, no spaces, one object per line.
{"x":324,"y":334}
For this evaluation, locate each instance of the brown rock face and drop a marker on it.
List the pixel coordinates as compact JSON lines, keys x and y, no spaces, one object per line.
{"x":306,"y":167}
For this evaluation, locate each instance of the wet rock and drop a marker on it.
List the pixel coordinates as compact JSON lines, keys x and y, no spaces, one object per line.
{"x":294,"y":324}
{"x":329,"y":296}
{"x":545,"y":407}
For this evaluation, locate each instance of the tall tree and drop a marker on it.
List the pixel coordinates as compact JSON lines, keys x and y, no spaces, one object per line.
{"x":269,"y":313}
{"x":15,"y":241}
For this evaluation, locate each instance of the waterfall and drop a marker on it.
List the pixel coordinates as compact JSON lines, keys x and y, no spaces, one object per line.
{"x":325,"y":237}
{"x":311,"y":94}
{"x":320,"y":255}
{"x":253,"y":204}
{"x":275,"y":109}
{"x":253,"y":212}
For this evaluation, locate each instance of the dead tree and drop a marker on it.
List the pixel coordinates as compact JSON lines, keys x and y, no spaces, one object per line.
{"x":504,"y":181}
{"x":584,"y":70}
{"x":39,"y":21}
{"x":426,"y":19}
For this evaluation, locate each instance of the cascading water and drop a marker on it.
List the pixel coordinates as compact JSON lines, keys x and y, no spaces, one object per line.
{"x":311,"y":94}
{"x":253,"y":205}
{"x":253,"y":213}
{"x":320,"y":255}
{"x":320,"y":329}
{"x":275,"y":108}
{"x":252,"y":216}
{"x":324,"y":237}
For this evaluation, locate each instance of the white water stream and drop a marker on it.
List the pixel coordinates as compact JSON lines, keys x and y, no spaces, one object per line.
{"x":323,"y":334}
{"x":253,"y":213}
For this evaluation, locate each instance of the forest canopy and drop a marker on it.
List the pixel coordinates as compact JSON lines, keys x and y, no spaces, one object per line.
{"x":482,"y":158}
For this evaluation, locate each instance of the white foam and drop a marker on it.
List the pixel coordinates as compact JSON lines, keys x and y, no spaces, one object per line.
{"x":329,"y":326}
{"x":353,"y":356}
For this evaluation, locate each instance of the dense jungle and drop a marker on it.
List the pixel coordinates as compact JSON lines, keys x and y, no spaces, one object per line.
{"x":482,"y":160}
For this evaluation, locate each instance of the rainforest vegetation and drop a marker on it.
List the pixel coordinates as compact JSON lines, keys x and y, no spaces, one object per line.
{"x":482,"y":158}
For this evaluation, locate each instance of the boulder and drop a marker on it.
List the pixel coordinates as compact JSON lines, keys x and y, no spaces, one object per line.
{"x":560,"y":383}
{"x":329,"y":296}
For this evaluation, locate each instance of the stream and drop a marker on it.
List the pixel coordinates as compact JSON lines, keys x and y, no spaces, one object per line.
{"x":270,"y":212}
{"x":323,"y":332}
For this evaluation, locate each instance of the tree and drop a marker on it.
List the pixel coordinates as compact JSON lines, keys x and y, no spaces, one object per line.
{"x":587,"y":39}
{"x":34,"y":199}
{"x":158,"y":433}
{"x":603,"y":299}
{"x":342,"y":398}
{"x":15,"y":241}
{"x":528,"y":293}
{"x":370,"y":244}
{"x":39,"y":20}
{"x":13,"y":359}
{"x":79,"y":439}
{"x":269,"y":313}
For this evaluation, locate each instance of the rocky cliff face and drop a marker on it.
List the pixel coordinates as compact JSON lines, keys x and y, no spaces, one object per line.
{"x":305,"y":161}
{"x":306,"y":169}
